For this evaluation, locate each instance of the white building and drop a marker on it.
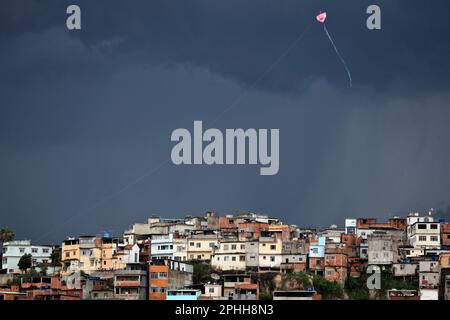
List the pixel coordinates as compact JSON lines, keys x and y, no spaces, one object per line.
{"x":162,"y":247}
{"x":229,"y":255}
{"x":425,"y":234}
{"x":14,"y":250}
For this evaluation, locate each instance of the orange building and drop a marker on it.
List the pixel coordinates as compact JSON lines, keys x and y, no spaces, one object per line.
{"x":392,"y":223}
{"x":336,"y":265}
{"x":251,"y":230}
{"x":158,"y":282}
{"x":167,"y":275}
{"x":445,"y":234}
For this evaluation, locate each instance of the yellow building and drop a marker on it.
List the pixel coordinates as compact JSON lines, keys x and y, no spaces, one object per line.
{"x":90,"y":253}
{"x":201,"y":246}
{"x":70,"y":255}
{"x":270,"y":252}
{"x":180,"y":249}
{"x":444,"y":260}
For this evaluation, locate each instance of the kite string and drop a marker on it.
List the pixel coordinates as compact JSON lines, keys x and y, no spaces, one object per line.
{"x":338,"y":54}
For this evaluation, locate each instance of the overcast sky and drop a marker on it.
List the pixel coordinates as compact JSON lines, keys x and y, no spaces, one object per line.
{"x":86,"y":116}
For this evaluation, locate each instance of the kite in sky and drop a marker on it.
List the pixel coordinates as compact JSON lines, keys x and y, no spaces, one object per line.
{"x":321,"y":18}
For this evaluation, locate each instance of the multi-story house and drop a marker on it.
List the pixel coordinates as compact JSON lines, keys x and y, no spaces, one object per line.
{"x":14,"y":250}
{"x":382,"y":248}
{"x":336,"y":265}
{"x":251,"y":230}
{"x":180,"y":249}
{"x":429,"y":273}
{"x":162,"y":247}
{"x":270,"y":253}
{"x":252,"y":254}
{"x":429,"y":278}
{"x":293,"y":255}
{"x":165,"y":275}
{"x":317,"y":255}
{"x":70,"y":255}
{"x":201,"y":246}
{"x":332,"y":234}
{"x":445,"y":235}
{"x":90,"y":253}
{"x":131,"y":283}
{"x":425,"y":234}
{"x":229,"y":255}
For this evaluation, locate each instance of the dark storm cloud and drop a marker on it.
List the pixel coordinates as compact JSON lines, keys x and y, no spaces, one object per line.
{"x":85,"y":113}
{"x":238,"y":38}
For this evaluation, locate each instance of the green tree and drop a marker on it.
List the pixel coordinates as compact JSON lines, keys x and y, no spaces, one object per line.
{"x":202,"y":272}
{"x":302,"y":278}
{"x":329,"y":290}
{"x":55,"y":257}
{"x":6,"y":234}
{"x":25,"y":262}
{"x":356,"y":288}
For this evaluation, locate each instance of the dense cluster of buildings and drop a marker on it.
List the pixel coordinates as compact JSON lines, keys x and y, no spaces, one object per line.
{"x":156,"y":260}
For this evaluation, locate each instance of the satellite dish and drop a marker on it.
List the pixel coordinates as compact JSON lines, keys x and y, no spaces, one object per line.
{"x":215,"y":276}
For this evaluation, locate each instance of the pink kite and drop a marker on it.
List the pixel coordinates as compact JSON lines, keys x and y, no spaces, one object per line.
{"x":321,"y":17}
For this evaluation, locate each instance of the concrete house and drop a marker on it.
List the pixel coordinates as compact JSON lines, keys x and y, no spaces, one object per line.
{"x":229,"y":255}
{"x":12,"y":251}
{"x":382,"y":248}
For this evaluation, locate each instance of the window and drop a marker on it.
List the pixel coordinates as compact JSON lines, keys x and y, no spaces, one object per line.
{"x":272,"y":259}
{"x":34,"y":250}
{"x":154,"y":289}
{"x":242,"y":246}
{"x":162,"y":290}
{"x":233,"y":247}
{"x":272,"y":247}
{"x":162,"y":275}
{"x":211,"y":290}
{"x":67,"y":254}
{"x":422,"y":238}
{"x":226,"y":258}
{"x":199,"y":257}
{"x":154,"y":275}
{"x":45,"y":250}
{"x":211,"y":244}
{"x":421,"y":226}
{"x":192,"y":244}
{"x":198,"y":244}
{"x":225,"y":247}
{"x":241,"y":258}
{"x":44,"y":261}
{"x":233,"y":258}
{"x":434,"y":238}
{"x":433,"y":226}
{"x":21,"y":250}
